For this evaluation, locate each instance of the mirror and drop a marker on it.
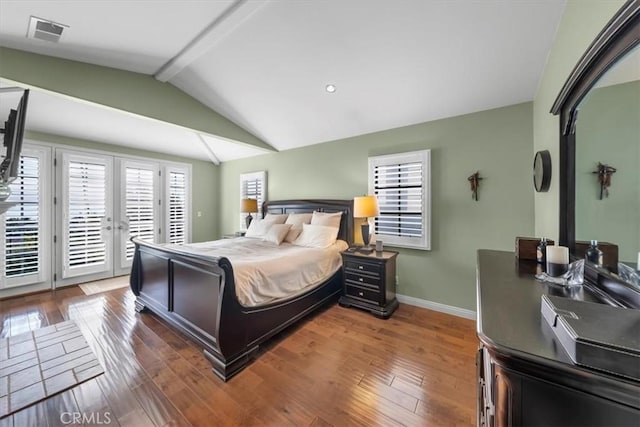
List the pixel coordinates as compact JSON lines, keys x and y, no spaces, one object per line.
{"x":600,"y":131}
{"x":607,"y":161}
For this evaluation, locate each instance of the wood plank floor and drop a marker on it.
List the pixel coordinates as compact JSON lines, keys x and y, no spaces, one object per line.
{"x":339,"y":367}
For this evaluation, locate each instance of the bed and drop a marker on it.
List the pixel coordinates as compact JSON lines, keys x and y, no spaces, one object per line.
{"x":196,"y":293}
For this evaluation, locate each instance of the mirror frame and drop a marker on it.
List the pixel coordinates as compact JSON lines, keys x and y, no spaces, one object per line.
{"x":619,"y":36}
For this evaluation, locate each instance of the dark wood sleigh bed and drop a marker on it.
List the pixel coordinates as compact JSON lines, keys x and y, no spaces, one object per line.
{"x":196,"y":294}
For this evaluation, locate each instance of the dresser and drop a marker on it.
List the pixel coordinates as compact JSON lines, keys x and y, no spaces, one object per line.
{"x":370,"y":282}
{"x":524,"y":375}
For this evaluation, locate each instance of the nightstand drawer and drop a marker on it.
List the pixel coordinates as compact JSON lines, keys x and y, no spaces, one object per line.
{"x":361,"y":293}
{"x":362,"y":279}
{"x":362,"y":267}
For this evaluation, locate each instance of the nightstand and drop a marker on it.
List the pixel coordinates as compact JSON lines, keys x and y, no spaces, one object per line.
{"x":370,"y":282}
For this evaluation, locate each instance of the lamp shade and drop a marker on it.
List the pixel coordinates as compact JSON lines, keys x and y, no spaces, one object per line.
{"x":248,"y":205}
{"x":365,"y":206}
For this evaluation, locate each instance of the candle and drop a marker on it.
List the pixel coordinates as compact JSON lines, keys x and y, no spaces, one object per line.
{"x":557,"y":260}
{"x":558,"y":254}
{"x":638,"y":264}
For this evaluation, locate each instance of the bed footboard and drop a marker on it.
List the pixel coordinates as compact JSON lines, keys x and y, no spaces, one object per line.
{"x":196,"y":295}
{"x":188,"y":291}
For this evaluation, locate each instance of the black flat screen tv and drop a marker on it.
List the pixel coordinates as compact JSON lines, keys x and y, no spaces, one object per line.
{"x":13,"y":135}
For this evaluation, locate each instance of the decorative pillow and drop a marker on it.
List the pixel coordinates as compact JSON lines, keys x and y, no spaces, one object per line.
{"x":328,"y":219}
{"x":277,"y":233}
{"x":276,"y":218}
{"x":296,"y":221}
{"x":258,"y":228}
{"x":316,"y":236}
{"x":293,"y":234}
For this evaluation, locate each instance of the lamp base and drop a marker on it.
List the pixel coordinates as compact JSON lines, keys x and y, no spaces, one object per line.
{"x":248,"y":220}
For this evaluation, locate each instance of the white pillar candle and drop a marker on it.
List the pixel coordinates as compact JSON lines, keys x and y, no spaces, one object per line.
{"x":638,"y":264}
{"x":558,"y":254}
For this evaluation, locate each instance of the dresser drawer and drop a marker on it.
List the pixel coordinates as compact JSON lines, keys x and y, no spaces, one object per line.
{"x":362,"y":293}
{"x":364,"y":267}
{"x":363,"y":279}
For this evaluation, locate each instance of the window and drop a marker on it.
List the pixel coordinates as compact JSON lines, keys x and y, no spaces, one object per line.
{"x":25,"y":226}
{"x":253,"y":186}
{"x":87,"y":214}
{"x":177,"y":205}
{"x":140,"y":201}
{"x":401,"y":182}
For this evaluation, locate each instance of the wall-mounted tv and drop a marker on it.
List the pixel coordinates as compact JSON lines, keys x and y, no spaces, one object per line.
{"x":13,"y":134}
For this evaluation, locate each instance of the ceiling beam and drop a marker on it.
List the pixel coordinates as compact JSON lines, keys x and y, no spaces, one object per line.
{"x":209,"y":150}
{"x":230,"y":19}
{"x":123,"y":90}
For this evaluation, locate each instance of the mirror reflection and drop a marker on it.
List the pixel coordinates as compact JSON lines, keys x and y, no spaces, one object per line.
{"x":608,"y":162}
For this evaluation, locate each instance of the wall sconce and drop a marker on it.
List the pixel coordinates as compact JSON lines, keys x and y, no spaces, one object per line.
{"x":474,"y":181}
{"x":604,"y":178}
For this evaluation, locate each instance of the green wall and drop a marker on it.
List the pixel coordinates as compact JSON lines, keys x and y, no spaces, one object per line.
{"x":496,"y":142}
{"x":135,"y":93}
{"x":205,"y":179}
{"x":608,"y":131}
{"x":581,"y":22}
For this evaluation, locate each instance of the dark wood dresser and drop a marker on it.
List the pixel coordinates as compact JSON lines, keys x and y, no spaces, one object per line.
{"x":370,"y":282}
{"x":524,"y":375}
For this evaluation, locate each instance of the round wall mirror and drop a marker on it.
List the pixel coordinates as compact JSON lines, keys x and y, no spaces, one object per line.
{"x":542,"y":171}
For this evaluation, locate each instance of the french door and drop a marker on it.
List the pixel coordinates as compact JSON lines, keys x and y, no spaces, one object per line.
{"x":25,"y":228}
{"x":138,"y":209}
{"x":103,"y":202}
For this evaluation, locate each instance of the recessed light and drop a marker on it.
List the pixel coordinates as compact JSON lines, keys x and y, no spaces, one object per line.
{"x":330,"y":88}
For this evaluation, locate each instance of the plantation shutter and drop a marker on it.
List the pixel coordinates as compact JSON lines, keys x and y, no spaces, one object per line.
{"x":177,"y":207}
{"x":22,"y":222}
{"x":86,"y":213}
{"x":400,"y":183}
{"x":140,"y":201}
{"x":252,"y":186}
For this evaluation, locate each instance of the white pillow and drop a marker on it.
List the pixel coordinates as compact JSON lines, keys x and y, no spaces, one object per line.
{"x":276,"y":218}
{"x":258,"y":228}
{"x":277,"y":233}
{"x":316,"y":236}
{"x":296,"y":221}
{"x":328,"y":219}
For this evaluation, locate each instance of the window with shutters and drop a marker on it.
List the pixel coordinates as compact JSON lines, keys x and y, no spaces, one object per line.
{"x":401,"y":183}
{"x":140,"y":204}
{"x":87,"y":209}
{"x":177,"y":205}
{"x":253,"y":186}
{"x":25,"y":226}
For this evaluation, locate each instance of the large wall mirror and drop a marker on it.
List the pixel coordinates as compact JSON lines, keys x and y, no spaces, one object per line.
{"x":599,"y":108}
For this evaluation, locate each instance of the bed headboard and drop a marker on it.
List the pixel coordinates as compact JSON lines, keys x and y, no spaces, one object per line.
{"x":307,"y":206}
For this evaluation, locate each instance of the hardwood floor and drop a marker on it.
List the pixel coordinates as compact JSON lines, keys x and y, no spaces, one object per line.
{"x":338,"y":367}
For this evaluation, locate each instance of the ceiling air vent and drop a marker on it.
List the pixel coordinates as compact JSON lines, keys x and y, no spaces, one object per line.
{"x":43,"y":29}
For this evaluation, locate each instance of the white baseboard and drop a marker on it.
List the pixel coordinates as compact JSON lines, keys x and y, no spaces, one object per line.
{"x":436,"y":306}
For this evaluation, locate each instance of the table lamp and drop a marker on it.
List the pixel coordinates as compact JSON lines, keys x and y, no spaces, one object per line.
{"x":248,"y":206}
{"x":365,"y":207}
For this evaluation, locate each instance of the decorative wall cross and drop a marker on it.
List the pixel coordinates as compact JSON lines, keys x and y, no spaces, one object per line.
{"x":474,"y":181}
{"x":604,"y":178}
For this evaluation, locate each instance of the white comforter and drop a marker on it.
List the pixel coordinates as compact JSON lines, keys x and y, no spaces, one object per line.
{"x":265,"y":272}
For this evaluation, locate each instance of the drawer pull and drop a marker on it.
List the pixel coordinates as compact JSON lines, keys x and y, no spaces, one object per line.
{"x":361,"y":294}
{"x":361,"y":279}
{"x":360,"y":267}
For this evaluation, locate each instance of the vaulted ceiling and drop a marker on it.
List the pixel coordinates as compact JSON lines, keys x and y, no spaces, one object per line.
{"x":265,"y":65}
